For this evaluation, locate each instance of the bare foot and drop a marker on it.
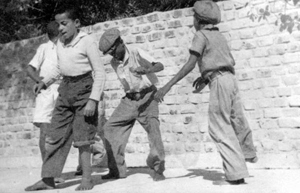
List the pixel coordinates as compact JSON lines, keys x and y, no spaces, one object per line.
{"x":41,"y":185}
{"x":158,"y":176}
{"x":86,"y":184}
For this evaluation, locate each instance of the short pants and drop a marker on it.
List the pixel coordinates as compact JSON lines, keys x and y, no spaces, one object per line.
{"x":44,"y":104}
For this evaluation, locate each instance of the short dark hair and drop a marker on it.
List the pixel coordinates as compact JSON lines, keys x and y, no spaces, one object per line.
{"x":52,"y":29}
{"x":73,"y":11}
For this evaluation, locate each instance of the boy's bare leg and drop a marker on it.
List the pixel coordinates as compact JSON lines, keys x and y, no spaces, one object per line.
{"x":44,"y":184}
{"x":42,"y":140}
{"x":85,"y":155}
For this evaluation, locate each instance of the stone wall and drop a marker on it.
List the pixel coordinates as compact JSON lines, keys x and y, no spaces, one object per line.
{"x":266,"y":49}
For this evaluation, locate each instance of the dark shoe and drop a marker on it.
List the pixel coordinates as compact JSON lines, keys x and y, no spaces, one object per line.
{"x":158,"y":176}
{"x":78,"y":171}
{"x":252,"y":160}
{"x":230,"y":182}
{"x":110,"y":176}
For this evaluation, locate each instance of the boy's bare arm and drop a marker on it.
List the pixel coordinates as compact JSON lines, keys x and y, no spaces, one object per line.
{"x":32,"y":73}
{"x":187,"y":68}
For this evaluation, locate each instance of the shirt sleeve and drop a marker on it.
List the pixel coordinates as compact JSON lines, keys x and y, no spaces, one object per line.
{"x":52,"y":76}
{"x":94,"y":57}
{"x":198,"y":43}
{"x":38,"y":58}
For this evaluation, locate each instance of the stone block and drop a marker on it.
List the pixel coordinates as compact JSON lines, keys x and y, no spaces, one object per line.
{"x":269,"y":145}
{"x":174,"y":24}
{"x":260,"y":52}
{"x":269,"y":93}
{"x":294,"y":101}
{"x":276,"y":135}
{"x":272,"y":113}
{"x":229,"y":15}
{"x":246,"y":33}
{"x":236,"y":45}
{"x":280,"y":102}
{"x":177,"y":13}
{"x":284,"y":91}
{"x":288,"y":122}
{"x":249,"y":104}
{"x":128,"y":22}
{"x":160,"y":25}
{"x":291,"y":57}
{"x":154,"y":36}
{"x":285,"y":146}
{"x":152,"y":17}
{"x":265,"y":41}
{"x":228,"y":5}
{"x":169,"y":34}
{"x":268,"y":124}
{"x":291,"y":80}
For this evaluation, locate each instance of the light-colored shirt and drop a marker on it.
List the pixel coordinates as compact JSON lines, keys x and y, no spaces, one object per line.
{"x":134,"y":57}
{"x":45,"y":60}
{"x":213,"y":49}
{"x":79,"y":57}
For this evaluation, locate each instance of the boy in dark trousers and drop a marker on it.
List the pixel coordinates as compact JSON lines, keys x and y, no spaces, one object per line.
{"x":228,"y":126}
{"x":75,"y":114}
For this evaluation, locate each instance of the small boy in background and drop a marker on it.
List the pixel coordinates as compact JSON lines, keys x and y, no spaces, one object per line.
{"x":43,"y":62}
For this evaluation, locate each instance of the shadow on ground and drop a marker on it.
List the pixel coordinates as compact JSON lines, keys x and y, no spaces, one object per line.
{"x":211,"y":175}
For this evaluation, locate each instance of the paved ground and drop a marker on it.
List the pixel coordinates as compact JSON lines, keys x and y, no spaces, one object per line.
{"x":178,"y":181}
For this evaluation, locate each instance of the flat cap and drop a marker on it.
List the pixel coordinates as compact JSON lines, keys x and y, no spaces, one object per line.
{"x":108,"y":39}
{"x":207,"y":11}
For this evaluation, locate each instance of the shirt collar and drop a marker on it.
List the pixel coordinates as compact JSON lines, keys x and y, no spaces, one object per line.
{"x":79,"y":36}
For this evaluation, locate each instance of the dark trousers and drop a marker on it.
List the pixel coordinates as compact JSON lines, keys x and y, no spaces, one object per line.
{"x":68,"y":124}
{"x":119,"y":126}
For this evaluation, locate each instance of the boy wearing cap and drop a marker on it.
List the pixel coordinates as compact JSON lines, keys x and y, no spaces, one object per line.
{"x":228,"y":126}
{"x":75,"y":114}
{"x":136,"y":72}
{"x":45,"y":61}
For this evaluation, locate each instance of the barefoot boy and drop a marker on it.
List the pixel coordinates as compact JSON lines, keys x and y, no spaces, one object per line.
{"x":228,"y":126}
{"x":45,"y":61}
{"x":75,"y":114}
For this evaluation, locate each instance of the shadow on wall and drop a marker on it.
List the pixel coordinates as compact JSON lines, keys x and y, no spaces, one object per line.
{"x":15,"y":57}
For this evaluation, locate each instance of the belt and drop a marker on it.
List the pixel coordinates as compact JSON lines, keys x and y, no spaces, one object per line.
{"x":215,"y":74}
{"x":139,"y":95}
{"x":77,"y":78}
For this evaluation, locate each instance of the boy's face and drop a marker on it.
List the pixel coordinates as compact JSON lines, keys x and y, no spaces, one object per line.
{"x":117,"y":51}
{"x":68,"y":28}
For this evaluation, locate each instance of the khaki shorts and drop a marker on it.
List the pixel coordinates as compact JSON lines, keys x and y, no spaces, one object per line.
{"x":44,"y":104}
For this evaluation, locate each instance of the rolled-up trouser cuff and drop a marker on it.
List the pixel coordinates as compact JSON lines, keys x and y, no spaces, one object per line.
{"x":83,"y":143}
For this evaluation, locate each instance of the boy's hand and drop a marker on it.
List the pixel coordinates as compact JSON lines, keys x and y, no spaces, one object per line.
{"x":140,"y":70}
{"x":199,"y":84}
{"x":90,"y":108}
{"x":159,"y":95}
{"x":38,"y":87}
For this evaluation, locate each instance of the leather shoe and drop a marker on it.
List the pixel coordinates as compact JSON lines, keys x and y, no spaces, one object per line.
{"x":110,"y":176}
{"x":230,"y":182}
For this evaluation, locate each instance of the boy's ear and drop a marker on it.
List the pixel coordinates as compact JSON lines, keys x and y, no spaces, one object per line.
{"x":77,"y":22}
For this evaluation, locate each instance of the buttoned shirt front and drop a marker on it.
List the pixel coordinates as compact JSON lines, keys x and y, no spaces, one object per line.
{"x":134,"y":57}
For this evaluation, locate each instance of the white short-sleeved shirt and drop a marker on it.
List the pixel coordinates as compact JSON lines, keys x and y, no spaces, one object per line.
{"x":134,"y":57}
{"x":45,"y":59}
